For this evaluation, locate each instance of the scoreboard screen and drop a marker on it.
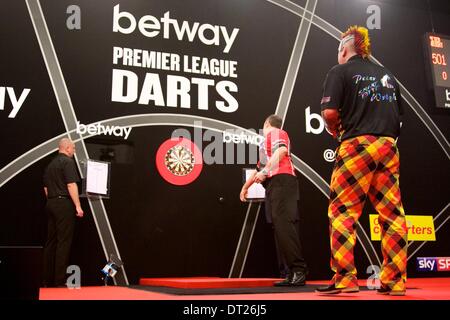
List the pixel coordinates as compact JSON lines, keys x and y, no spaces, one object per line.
{"x":437,"y":60}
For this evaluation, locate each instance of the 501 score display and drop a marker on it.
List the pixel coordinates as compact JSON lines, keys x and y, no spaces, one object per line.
{"x":437,"y":59}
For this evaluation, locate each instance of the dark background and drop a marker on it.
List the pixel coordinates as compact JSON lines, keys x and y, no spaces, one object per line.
{"x":163,"y":230}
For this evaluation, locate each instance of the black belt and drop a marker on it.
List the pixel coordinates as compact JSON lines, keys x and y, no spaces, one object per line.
{"x":59,"y":197}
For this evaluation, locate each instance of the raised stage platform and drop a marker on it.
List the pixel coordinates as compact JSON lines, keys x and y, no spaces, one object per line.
{"x":240,"y":289}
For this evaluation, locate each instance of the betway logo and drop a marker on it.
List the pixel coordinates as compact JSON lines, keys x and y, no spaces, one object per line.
{"x":96,"y":129}
{"x":318,"y":126}
{"x":433,"y":264}
{"x":150,"y":26}
{"x":229,"y":137}
{"x":16,"y":101}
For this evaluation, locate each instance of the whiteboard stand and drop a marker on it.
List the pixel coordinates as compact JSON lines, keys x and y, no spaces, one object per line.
{"x":97,"y":179}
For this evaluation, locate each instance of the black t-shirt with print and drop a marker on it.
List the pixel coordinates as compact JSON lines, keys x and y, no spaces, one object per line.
{"x":367,"y":96}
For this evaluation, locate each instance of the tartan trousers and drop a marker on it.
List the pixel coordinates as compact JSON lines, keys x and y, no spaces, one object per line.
{"x":367,"y":166}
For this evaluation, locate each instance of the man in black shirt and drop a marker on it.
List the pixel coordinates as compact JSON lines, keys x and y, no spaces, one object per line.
{"x":63,"y":204}
{"x":361,"y":106}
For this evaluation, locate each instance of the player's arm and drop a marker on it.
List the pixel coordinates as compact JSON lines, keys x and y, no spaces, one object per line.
{"x":46,"y":192}
{"x":273,"y":163}
{"x":247,"y":184}
{"x":73,"y":191}
{"x":332,"y":121}
{"x":71,"y":178}
{"x":332,"y":99}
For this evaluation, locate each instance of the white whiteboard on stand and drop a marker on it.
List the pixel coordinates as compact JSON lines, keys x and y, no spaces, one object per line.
{"x":97,"y":177}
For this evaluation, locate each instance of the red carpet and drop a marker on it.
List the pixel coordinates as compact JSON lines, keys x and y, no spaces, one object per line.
{"x":204,"y":283}
{"x":417,"y":289}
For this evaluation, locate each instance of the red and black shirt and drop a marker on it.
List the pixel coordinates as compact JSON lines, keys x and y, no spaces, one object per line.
{"x":275,"y":139}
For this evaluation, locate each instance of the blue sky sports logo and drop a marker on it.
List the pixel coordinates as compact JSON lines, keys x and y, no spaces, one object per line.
{"x":429,"y":264}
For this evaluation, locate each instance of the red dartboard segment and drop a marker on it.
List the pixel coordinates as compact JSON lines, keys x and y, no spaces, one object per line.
{"x":179,"y":161}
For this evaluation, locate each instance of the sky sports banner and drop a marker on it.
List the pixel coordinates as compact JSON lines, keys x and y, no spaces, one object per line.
{"x":428,"y":264}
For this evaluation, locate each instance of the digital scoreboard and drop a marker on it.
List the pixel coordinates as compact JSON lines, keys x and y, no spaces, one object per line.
{"x":437,"y":61}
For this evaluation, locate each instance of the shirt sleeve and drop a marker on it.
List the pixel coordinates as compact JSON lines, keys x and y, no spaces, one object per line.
{"x":333,"y":90}
{"x":278,"y":140}
{"x":70,"y":172}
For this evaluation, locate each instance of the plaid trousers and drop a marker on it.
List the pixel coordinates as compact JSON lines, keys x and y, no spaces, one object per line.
{"x":367,"y":166}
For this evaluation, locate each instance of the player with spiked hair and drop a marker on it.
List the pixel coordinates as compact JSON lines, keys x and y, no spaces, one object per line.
{"x":361,"y":105}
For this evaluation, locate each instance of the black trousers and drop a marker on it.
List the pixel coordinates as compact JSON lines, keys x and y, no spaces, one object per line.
{"x":61,"y":225}
{"x":281,"y":199}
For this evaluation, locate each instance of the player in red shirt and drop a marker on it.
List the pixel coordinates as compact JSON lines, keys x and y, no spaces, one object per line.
{"x":281,"y":185}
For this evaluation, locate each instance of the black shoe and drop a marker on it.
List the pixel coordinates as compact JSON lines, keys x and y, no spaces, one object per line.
{"x":283,"y":283}
{"x":295,"y":279}
{"x":387,"y":291}
{"x":331,"y":289}
{"x":298,"y":279}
